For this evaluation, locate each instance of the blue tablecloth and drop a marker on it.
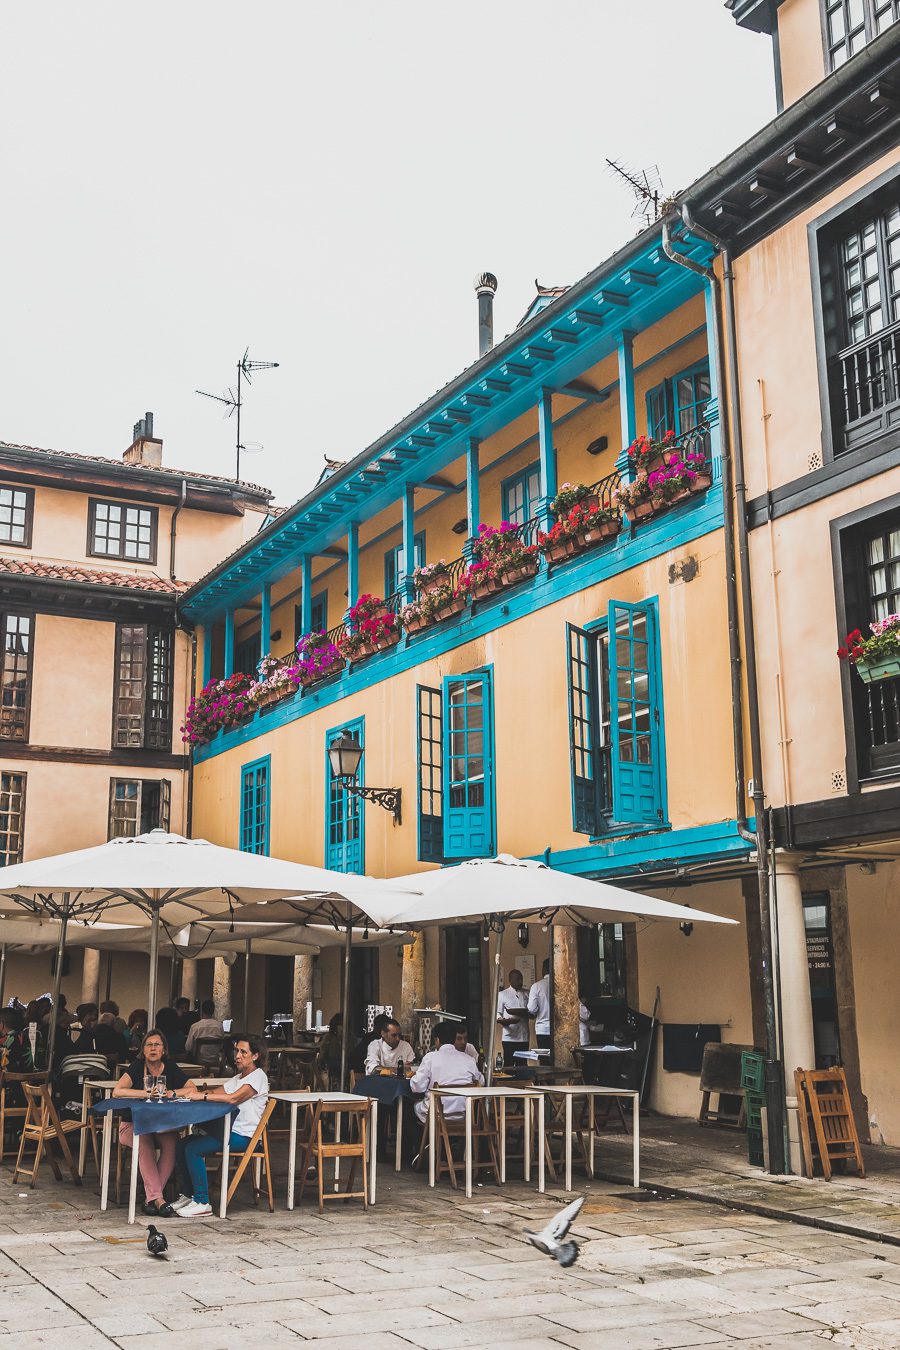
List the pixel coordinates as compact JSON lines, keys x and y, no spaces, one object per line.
{"x":387,"y":1091}
{"x":156,"y":1117}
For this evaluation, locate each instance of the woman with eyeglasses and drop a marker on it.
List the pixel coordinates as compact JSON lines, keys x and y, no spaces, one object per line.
{"x":153,"y":1075}
{"x":247,"y":1090}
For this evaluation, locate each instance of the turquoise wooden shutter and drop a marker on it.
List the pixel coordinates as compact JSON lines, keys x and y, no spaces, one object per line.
{"x":581,"y":649}
{"x":429,"y":757}
{"x":634,"y":701}
{"x":254,"y":822}
{"x":468,"y":767}
{"x":344,"y":821}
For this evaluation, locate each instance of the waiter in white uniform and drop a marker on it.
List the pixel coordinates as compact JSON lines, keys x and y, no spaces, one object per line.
{"x":539,"y":1008}
{"x":512,"y":1015}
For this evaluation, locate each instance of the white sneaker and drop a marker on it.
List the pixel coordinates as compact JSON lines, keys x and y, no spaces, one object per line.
{"x":180,"y":1203}
{"x":194,"y":1210}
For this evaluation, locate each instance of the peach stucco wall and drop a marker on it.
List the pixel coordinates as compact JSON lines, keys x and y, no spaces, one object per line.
{"x":802,"y":49}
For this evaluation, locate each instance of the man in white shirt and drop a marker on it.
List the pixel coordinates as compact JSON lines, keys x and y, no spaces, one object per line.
{"x":584,"y":1035}
{"x":512,"y":1015}
{"x":462,"y":1042}
{"x":209,"y":1026}
{"x":539,"y":1008}
{"x":445,"y":1067}
{"x":387,"y":1052}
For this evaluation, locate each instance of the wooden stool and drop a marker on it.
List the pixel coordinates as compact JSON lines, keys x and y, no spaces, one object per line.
{"x":44,"y":1127}
{"x":321,"y":1149}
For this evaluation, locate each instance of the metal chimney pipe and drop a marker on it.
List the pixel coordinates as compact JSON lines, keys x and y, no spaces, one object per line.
{"x":485,"y":289}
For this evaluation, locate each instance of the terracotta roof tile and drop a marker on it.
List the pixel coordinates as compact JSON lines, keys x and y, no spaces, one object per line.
{"x":138,"y":468}
{"x":91,"y":576}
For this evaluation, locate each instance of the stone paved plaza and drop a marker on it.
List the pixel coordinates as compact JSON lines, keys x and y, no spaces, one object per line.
{"x":430,"y":1269}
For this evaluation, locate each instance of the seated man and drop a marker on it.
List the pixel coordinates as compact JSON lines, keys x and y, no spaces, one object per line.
{"x":387,"y":1052}
{"x":357,"y":1060}
{"x":461,"y":1041}
{"x":445,"y":1067}
{"x":15,"y":1050}
{"x":208,"y":1026}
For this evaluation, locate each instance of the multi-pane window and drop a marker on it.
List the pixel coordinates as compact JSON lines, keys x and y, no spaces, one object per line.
{"x":615,"y":721}
{"x":15,"y":676}
{"x":16,"y":506}
{"x":874,"y":593}
{"x":142,"y":714}
{"x":344,"y":834}
{"x":255,"y":806}
{"x":870,"y":275}
{"x":468,"y":766}
{"x":520,"y":495}
{"x":120,"y":531}
{"x":137,"y":806}
{"x":430,"y":774}
{"x":850,"y":24}
{"x":319,"y":616}
{"x":393,"y":565}
{"x":12,"y":818}
{"x":246,"y":655}
{"x":679,"y":404}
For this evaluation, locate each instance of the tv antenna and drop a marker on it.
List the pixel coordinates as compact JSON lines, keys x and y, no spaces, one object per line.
{"x":646,"y":184}
{"x":233,"y":400}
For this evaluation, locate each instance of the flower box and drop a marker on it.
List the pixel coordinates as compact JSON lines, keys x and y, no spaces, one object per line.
{"x":605,"y":529}
{"x":415,"y":625}
{"x":273,"y":696}
{"x":521,"y":572}
{"x":888,"y":668}
{"x":451,"y":608}
{"x":641,"y":510}
{"x":562,"y":549}
{"x":487,"y":587}
{"x":309,"y":677}
{"x":366,"y":649}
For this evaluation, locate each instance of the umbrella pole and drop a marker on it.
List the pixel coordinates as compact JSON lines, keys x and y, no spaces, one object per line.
{"x":247,"y":985}
{"x":154,"y":964}
{"x":2,"y":972}
{"x":57,"y":980}
{"x":492,"y":1011}
{"x":345,"y":1038}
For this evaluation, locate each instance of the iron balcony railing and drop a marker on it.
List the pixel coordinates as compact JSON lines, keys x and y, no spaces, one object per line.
{"x":882,"y":711}
{"x":867,"y":375}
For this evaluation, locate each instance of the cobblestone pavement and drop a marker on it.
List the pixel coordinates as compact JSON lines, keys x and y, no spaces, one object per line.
{"x":432,"y":1270}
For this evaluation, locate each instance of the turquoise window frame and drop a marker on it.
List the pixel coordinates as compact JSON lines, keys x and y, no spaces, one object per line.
{"x":664,"y":408}
{"x":522,"y":480}
{"x":392,"y":563}
{"x":469,"y":827}
{"x":629,"y":796}
{"x":319,"y":609}
{"x":256,"y":795}
{"x":343,"y":809}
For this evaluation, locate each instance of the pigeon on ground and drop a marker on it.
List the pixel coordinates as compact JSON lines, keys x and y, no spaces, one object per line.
{"x":157,"y":1243}
{"x":548,"y":1240}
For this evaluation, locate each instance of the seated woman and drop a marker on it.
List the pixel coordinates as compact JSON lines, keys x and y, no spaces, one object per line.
{"x":153,"y":1061}
{"x":248,"y":1090}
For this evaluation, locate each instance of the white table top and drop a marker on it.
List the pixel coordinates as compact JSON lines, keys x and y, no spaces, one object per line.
{"x":297,"y":1095}
{"x":109,"y":1083}
{"x":587,"y":1089}
{"x":470,"y":1090}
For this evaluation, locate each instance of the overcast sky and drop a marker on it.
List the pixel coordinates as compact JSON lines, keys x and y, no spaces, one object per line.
{"x":321,"y":181}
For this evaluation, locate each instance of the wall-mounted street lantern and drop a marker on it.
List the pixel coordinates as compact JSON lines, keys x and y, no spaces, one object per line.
{"x":344,"y":755}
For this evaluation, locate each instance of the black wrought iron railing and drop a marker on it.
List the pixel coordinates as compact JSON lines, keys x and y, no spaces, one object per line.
{"x":882,"y":710}
{"x":867,"y":376}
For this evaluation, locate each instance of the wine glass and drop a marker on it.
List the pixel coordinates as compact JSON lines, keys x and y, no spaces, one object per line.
{"x":149,"y":1083}
{"x":161,"y":1086}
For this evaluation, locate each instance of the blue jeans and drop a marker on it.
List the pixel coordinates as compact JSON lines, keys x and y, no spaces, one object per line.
{"x":191,"y":1165}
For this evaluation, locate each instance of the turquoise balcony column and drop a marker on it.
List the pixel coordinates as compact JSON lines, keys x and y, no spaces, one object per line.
{"x":547,"y":452}
{"x":473,"y":493}
{"x":711,"y":412}
{"x":352,"y":565}
{"x":626,"y":403}
{"x":306,"y":593}
{"x":206,"y":672}
{"x":229,"y":642}
{"x":405,"y":582}
{"x":265,"y":620}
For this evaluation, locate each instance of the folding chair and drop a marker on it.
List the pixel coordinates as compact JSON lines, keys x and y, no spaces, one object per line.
{"x":9,"y":1083}
{"x":44,"y":1127}
{"x":257,"y":1152}
{"x":484,"y":1126}
{"x":321,"y":1149}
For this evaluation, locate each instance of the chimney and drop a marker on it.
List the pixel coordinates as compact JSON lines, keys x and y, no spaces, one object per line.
{"x":485,"y":289}
{"x":145,"y":448}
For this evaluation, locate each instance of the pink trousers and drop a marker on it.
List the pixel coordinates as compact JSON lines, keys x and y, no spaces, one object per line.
{"x":153,"y":1174}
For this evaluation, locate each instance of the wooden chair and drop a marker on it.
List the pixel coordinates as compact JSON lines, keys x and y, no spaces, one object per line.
{"x":44,"y":1127}
{"x":320,"y":1150}
{"x":257,"y":1152}
{"x":484,"y":1126}
{"x":824,"y":1102}
{"x":9,"y":1085}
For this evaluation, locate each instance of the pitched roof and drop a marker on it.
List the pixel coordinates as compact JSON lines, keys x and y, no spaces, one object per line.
{"x":89,"y":576}
{"x":118,"y":464}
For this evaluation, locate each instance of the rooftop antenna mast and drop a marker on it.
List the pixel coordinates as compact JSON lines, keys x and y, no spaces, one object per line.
{"x":234,"y":400}
{"x":646,"y":184}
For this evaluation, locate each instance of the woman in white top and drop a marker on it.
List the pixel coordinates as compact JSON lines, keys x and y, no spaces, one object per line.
{"x":248,"y":1090}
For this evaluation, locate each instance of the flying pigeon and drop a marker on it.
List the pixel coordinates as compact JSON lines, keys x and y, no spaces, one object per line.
{"x":548,"y":1240}
{"x":157,"y":1243}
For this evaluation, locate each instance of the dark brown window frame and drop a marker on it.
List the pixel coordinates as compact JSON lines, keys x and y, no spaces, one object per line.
{"x":16,"y":773}
{"x":124,"y":506}
{"x":868,"y":20}
{"x":823,"y":235}
{"x":165,"y":804}
{"x":29,"y":515}
{"x":155,"y":727}
{"x":845,"y":533}
{"x":16,"y":613}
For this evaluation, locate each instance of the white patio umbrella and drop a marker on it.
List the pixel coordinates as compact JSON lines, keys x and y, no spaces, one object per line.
{"x":503,"y":889}
{"x":165,"y":875}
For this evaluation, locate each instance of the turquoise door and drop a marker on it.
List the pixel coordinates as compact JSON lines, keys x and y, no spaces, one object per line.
{"x":344,"y":822}
{"x":468,"y":767}
{"x":634,"y":715}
